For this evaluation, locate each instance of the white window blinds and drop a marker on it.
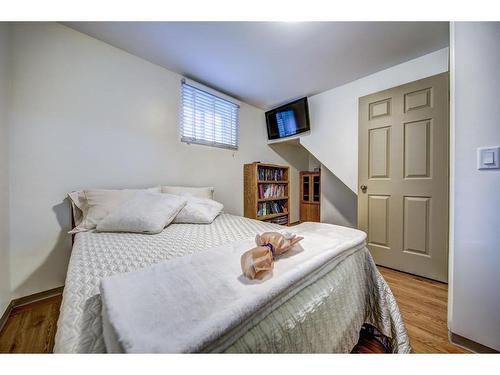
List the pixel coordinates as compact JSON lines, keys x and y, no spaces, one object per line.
{"x":208,"y":119}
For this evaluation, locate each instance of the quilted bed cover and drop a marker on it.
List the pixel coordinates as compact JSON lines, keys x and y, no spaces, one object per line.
{"x":324,"y":317}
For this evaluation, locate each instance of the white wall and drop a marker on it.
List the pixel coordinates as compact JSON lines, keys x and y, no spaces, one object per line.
{"x":5,"y":296}
{"x":334,"y":131}
{"x":334,"y":113}
{"x":475,"y":267}
{"x":313,"y":162}
{"x":86,"y":114}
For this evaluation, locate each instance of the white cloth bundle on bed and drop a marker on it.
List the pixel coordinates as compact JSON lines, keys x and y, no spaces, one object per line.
{"x":188,"y":303}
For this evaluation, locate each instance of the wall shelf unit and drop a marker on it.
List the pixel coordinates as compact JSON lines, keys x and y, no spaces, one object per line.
{"x":265,"y":194}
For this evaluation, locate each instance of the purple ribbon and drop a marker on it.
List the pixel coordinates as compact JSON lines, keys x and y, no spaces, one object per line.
{"x":271,"y":247}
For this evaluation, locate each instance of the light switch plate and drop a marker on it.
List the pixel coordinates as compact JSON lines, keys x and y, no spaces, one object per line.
{"x":488,"y":157}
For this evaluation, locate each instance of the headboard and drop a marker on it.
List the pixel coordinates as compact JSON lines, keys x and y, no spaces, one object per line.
{"x":72,"y":221}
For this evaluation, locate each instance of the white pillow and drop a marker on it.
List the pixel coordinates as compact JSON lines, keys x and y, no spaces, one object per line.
{"x":96,"y":204}
{"x":199,"y":211}
{"x":145,"y":212}
{"x":200,"y":192}
{"x":78,"y":206}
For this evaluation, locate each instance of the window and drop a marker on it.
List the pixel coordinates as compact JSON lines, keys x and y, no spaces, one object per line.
{"x":208,"y":119}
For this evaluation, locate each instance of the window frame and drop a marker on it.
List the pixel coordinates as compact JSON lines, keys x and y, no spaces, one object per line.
{"x":218,"y":95}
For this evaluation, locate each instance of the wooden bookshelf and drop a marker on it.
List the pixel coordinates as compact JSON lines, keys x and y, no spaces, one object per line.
{"x":272,"y":182}
{"x":276,"y":182}
{"x":271,"y":216}
{"x":271,"y":199}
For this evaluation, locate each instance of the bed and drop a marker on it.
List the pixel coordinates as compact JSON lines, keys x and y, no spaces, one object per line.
{"x":326,"y":316}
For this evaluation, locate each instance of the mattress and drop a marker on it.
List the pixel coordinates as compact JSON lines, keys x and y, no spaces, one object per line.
{"x":324,"y":317}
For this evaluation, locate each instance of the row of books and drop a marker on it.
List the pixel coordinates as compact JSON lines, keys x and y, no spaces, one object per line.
{"x":282,"y":220}
{"x":271,"y":174}
{"x":271,"y":191}
{"x":269,"y":208}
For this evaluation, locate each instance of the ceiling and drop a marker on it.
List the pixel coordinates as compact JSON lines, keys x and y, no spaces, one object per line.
{"x":269,"y":63}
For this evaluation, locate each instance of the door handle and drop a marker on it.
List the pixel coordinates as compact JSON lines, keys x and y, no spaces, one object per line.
{"x":363,"y":188}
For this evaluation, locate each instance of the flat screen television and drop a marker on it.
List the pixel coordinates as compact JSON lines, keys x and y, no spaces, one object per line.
{"x":287,"y":120}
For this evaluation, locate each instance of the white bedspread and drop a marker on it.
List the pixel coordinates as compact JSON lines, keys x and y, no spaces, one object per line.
{"x":97,"y":255}
{"x":324,"y":317}
{"x":185,"y":304}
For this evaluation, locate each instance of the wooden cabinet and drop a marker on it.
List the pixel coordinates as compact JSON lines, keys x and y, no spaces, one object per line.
{"x":265,"y":192}
{"x":310,"y":196}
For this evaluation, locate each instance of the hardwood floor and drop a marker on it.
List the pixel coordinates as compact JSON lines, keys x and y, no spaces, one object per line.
{"x":31,"y":328}
{"x":423,"y":304}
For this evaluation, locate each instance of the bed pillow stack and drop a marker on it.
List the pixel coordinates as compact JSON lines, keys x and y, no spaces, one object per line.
{"x":146,"y":212}
{"x":188,"y":191}
{"x":200,"y":207}
{"x":93,"y":205}
{"x":199,"y":211}
{"x":142,"y":210}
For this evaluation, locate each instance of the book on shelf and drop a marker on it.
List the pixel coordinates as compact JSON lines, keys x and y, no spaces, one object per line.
{"x":282,"y":220}
{"x":270,"y":174}
{"x":271,"y":191}
{"x":270,"y":208}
